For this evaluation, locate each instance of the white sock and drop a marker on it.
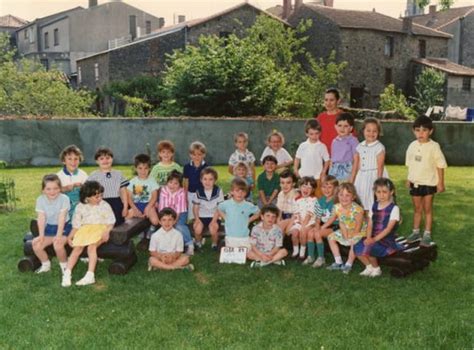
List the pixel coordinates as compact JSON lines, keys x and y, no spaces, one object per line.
{"x":302,"y":251}
{"x":67,"y":272}
{"x":47,"y":263}
{"x":348,"y":264}
{"x":63,"y":265}
{"x":295,"y":250}
{"x":89,"y":274}
{"x":369,"y":267}
{"x":377,"y":269}
{"x":338,"y":260}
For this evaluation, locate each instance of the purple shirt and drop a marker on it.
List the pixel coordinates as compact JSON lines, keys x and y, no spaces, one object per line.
{"x":343,"y":149}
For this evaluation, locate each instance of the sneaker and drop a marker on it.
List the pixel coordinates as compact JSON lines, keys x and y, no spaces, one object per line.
{"x":44,"y":268}
{"x":367,"y":271}
{"x":150,"y":268}
{"x":190,"y":250}
{"x":413,"y":237}
{"x":376,"y":272}
{"x":86,"y":280}
{"x":334,"y":267}
{"x":295,"y":256}
{"x":426,"y":241}
{"x":308,"y":261}
{"x":280,"y":262}
{"x":320,"y":262}
{"x":264,"y":263}
{"x":84,"y":260}
{"x":189,"y":267}
{"x":346,"y":269}
{"x":66,"y":281}
{"x":215,"y":248}
{"x":254,"y":264}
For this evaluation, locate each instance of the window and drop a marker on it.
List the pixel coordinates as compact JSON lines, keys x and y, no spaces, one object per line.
{"x":388,"y":76}
{"x":46,"y":40}
{"x":388,"y":50}
{"x":31,"y":35}
{"x":148,"y":27}
{"x":96,"y":71}
{"x":25,"y":34}
{"x":422,"y":49}
{"x":466,"y":83}
{"x":56,"y":37}
{"x":79,"y":75}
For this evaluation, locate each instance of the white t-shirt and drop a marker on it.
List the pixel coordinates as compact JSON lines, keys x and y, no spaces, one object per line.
{"x":312,"y":156}
{"x":166,"y":241}
{"x":304,"y":207}
{"x":281,"y":155}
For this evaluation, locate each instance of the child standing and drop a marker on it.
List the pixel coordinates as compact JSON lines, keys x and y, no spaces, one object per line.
{"x":352,"y":226}
{"x":53,"y":226}
{"x":237,"y":213}
{"x":383,"y":221}
{"x":166,"y":163}
{"x":369,"y":162}
{"x":241,"y":172}
{"x":70,"y":175}
{"x":275,"y":142}
{"x":242,"y":155}
{"x":327,"y":119}
{"x":114,"y":183}
{"x":266,"y":240}
{"x":312,"y":155}
{"x":173,"y":196}
{"x":323,"y":211}
{"x":268,"y":182}
{"x":192,"y":172}
{"x":303,"y":217}
{"x":286,"y":200}
{"x":143,"y":192}
{"x":343,"y":148}
{"x":426,"y":164}
{"x":166,"y":245}
{"x":92,"y":223}
{"x":205,"y":202}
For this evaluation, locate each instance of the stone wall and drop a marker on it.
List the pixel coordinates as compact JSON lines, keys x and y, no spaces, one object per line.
{"x":467,"y":40}
{"x":39,"y":142}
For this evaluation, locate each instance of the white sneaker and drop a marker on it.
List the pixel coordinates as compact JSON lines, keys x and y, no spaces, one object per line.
{"x":367,"y":271}
{"x":320,"y":262}
{"x":66,"y":282}
{"x":376,"y":272}
{"x":308,"y":261}
{"x":84,"y":260}
{"x":44,"y":268}
{"x":190,"y":250}
{"x":86,"y":280}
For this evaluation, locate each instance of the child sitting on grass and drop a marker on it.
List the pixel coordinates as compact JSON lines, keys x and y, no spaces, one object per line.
{"x":268,"y":182}
{"x":166,"y":163}
{"x":166,"y":245}
{"x":205,"y":202}
{"x":266,"y":240}
{"x":238,"y":214}
{"x":71,"y":176}
{"x":92,"y":223}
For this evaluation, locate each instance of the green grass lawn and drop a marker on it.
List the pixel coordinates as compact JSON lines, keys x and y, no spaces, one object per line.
{"x":222,"y":306}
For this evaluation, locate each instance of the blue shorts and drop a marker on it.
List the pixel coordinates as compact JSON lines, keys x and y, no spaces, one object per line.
{"x":141,"y":206}
{"x":51,"y":230}
{"x":285,"y":216}
{"x":341,"y":171}
{"x":207,"y":221}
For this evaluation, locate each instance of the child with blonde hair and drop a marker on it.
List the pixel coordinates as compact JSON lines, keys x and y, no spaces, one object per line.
{"x":192,"y":172}
{"x":242,"y":155}
{"x":275,"y":141}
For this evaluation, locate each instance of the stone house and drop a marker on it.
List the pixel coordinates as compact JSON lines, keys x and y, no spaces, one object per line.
{"x":9,"y":24}
{"x":459,"y":22}
{"x":62,"y":38}
{"x":147,"y":56}
{"x":459,"y":80}
{"x":377,"y":48}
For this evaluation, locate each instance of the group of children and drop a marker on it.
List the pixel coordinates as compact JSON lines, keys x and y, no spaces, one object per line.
{"x":338,"y":190}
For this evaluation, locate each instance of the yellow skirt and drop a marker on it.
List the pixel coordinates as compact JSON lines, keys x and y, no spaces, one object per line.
{"x":88,"y":234}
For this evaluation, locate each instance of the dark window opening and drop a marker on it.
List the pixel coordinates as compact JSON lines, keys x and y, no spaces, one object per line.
{"x":388,"y":76}
{"x":422,"y":49}
{"x":466,"y":83}
{"x":46,"y":40}
{"x":56,"y":37}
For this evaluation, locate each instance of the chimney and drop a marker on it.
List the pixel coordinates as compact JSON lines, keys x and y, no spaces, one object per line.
{"x":298,"y":4}
{"x":432,"y":9}
{"x":161,"y":22}
{"x":329,"y":3}
{"x":181,"y":18}
{"x":92,"y":3}
{"x":286,"y":9}
{"x":407,"y":25}
{"x":133,"y":26}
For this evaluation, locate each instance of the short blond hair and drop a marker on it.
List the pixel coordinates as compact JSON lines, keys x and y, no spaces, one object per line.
{"x":197,"y":146}
{"x":241,"y":134}
{"x":276,"y":133}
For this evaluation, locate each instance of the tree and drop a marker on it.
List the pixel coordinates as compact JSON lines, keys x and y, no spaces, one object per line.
{"x":392,"y":99}
{"x":27,"y":89}
{"x":422,"y":3}
{"x":429,"y":90}
{"x":446,"y":4}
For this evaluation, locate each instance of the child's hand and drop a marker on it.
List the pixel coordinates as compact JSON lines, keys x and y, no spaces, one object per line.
{"x":440,"y":188}
{"x":69,"y":240}
{"x":407,"y":184}
{"x":147,"y":210}
{"x":137,"y":213}
{"x":77,"y":184}
{"x":266,"y":257}
{"x":369,"y":241}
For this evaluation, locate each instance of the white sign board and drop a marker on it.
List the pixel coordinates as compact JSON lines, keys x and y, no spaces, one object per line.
{"x":231,"y":255}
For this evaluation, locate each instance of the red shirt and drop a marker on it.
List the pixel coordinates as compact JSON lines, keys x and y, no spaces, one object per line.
{"x":328,"y":127}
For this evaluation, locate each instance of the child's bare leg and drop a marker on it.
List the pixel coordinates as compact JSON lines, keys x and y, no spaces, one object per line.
{"x":198,"y":227}
{"x":373,"y":261}
{"x":295,"y":241}
{"x":157,"y":263}
{"x":364,"y":260}
{"x":351,"y":257}
{"x":417,"y":211}
{"x":92,"y":254}
{"x":335,"y":251}
{"x":39,"y":247}
{"x":75,"y":254}
{"x":214,"y":231}
{"x":427,"y":202}
{"x":280,"y":254}
{"x":153,"y":216}
{"x":284,"y":224}
{"x":252,"y":256}
{"x":59,"y":247}
{"x":182,"y":261}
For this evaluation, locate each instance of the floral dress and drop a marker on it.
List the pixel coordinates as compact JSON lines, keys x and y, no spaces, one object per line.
{"x":347,"y":217}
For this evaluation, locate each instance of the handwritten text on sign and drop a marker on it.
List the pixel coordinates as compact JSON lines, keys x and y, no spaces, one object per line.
{"x":231,"y":255}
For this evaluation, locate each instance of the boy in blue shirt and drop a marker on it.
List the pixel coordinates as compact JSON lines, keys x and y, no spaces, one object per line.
{"x":238,"y":214}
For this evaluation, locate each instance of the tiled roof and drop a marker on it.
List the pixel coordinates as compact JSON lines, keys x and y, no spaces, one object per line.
{"x":440,"y":19}
{"x":12,"y":21}
{"x":371,"y":20}
{"x":445,"y":65}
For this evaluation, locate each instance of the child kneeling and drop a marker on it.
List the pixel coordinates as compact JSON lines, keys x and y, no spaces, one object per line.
{"x":266,"y":239}
{"x":167,"y":245}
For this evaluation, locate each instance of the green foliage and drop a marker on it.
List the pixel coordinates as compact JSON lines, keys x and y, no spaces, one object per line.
{"x":7,"y":194}
{"x":3,"y":164}
{"x":445,"y":4}
{"x":27,"y":89}
{"x":393,"y":100}
{"x":422,"y":3}
{"x":429,"y":88}
{"x":135,"y":107}
{"x":260,"y":74}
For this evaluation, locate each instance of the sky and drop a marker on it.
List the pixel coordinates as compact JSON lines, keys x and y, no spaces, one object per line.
{"x":31,"y":9}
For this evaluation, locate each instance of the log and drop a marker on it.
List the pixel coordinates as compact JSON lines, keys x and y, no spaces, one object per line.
{"x":29,"y":263}
{"x":122,"y":266}
{"x":130,"y":228}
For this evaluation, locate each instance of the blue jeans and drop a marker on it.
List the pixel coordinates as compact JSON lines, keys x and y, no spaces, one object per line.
{"x":182,"y":227}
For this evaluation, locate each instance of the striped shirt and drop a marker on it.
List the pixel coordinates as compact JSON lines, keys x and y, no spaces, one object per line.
{"x":176,"y":200}
{"x":368,"y":153}
{"x":112,"y":181}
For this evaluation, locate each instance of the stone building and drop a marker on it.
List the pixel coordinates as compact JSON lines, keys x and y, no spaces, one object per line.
{"x":9,"y":24}
{"x":62,"y":38}
{"x":147,"y":55}
{"x":459,"y":22}
{"x":377,"y":48}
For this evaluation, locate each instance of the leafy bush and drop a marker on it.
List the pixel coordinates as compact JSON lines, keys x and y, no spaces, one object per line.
{"x":429,"y":90}
{"x":394,"y":100}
